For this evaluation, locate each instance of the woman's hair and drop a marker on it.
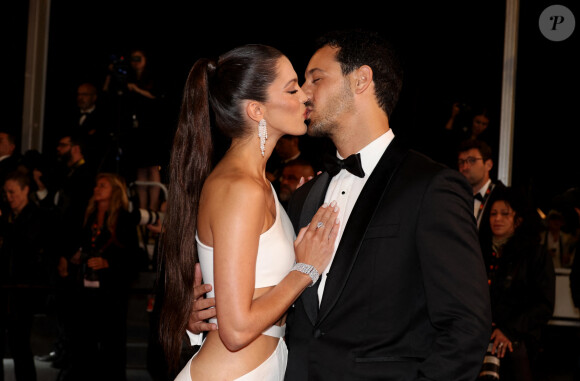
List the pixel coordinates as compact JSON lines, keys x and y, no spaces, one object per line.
{"x":21,"y":176}
{"x":119,"y":200}
{"x":526,"y":222}
{"x":243,"y":73}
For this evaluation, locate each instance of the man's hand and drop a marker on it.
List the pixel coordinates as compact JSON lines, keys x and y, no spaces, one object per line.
{"x":203,"y":308}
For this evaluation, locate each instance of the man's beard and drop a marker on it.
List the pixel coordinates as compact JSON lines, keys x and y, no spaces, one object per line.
{"x":285,"y":194}
{"x":326,"y":121}
{"x":64,"y":158}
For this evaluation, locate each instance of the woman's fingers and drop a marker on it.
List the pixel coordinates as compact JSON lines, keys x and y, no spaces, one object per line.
{"x":325,"y":218}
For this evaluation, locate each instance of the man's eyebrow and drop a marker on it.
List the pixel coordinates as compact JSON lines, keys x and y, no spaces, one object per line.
{"x":314,"y":70}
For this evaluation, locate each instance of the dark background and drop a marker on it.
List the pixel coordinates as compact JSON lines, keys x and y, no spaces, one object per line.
{"x":453,"y":51}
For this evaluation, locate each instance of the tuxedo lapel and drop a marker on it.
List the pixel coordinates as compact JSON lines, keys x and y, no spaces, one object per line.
{"x":311,"y":204}
{"x":371,"y":195}
{"x":314,"y":199}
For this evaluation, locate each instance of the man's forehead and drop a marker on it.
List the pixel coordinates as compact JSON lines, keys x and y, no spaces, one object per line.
{"x":469,"y":152}
{"x":323,"y":60}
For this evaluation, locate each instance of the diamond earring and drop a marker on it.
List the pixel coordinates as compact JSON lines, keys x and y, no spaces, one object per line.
{"x":262,"y":134}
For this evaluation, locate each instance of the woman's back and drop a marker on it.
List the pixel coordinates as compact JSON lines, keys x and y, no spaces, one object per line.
{"x":240,"y":220}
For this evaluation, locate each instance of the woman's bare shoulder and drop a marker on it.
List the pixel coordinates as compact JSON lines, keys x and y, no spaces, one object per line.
{"x":232,"y":186}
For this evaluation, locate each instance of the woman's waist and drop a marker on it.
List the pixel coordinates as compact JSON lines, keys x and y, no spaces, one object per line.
{"x":213,"y":351}
{"x":277,"y":330}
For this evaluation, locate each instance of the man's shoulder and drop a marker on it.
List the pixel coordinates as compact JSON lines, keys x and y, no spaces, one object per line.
{"x":423,"y":164}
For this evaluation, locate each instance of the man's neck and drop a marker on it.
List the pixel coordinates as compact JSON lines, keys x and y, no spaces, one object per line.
{"x":477,"y":188}
{"x":360,"y":130}
{"x":76,"y":163}
{"x":350,"y":145}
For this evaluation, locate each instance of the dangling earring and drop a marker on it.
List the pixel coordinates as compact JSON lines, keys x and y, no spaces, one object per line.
{"x":262,"y":134}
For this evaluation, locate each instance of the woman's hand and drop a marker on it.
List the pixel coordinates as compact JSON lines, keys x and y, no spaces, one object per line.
{"x":97,"y":263}
{"x":315,"y":242}
{"x":500,"y":343}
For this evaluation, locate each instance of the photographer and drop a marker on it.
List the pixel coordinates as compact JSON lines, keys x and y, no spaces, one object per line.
{"x":103,"y":269}
{"x":142,"y":126}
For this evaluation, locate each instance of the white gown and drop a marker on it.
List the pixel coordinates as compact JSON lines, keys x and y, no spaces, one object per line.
{"x":274,"y":261}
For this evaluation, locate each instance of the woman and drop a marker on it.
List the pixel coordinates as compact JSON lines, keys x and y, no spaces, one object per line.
{"x":106,"y":263}
{"x":230,"y":217}
{"x":522,"y":285}
{"x":25,"y":233}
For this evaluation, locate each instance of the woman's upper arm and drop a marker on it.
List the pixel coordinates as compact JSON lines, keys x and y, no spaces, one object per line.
{"x":236,"y":225}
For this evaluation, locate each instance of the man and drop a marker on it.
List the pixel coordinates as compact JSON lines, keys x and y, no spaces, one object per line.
{"x":293,"y":171}
{"x":405,"y":296}
{"x":93,"y":123}
{"x":67,"y":193}
{"x":9,"y":161}
{"x":287,"y":149}
{"x":474,"y":161}
{"x":25,"y":237}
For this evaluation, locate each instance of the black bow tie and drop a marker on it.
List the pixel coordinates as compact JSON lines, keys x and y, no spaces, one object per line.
{"x":478,"y":196}
{"x":333,"y":165}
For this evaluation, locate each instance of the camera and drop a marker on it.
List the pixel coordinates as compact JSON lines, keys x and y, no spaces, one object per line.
{"x":490,"y":368}
{"x":119,"y":67}
{"x":146,"y":217}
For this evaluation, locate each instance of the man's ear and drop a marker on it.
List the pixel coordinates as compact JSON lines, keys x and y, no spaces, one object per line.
{"x":255,"y":111}
{"x":363,"y":77}
{"x":488,"y":164}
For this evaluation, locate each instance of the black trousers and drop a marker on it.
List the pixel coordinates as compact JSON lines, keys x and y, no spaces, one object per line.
{"x":16,"y":319}
{"x":98,"y":335}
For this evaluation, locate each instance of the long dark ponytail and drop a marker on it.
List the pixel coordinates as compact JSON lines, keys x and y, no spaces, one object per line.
{"x":189,"y":166}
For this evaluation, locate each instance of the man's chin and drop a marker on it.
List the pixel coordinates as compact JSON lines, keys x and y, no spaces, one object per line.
{"x":284,"y":196}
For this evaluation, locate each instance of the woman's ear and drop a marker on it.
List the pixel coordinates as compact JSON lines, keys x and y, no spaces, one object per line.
{"x":255,"y":111}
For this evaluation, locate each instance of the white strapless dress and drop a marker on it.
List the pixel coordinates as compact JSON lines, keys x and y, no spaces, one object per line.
{"x":274,"y":261}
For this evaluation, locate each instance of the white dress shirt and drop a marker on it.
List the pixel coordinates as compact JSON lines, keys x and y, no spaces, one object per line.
{"x":344,"y":188}
{"x":477,"y":203}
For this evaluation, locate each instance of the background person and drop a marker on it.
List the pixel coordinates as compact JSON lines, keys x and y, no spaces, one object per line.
{"x":521,"y":282}
{"x":25,"y":260}
{"x":102,"y":270}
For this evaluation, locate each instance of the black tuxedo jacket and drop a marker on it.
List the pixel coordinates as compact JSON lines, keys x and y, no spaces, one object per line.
{"x":406,"y":297}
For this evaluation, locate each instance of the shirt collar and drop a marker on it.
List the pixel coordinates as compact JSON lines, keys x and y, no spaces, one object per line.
{"x":89,"y":110}
{"x":372,"y":152}
{"x":484,"y":187}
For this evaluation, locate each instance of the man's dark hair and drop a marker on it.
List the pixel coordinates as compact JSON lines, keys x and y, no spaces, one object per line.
{"x":75,"y":140}
{"x":10,"y":135}
{"x":358,"y":47}
{"x":483,"y":148}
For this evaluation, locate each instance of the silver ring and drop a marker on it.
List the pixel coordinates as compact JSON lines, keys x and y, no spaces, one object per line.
{"x":500,"y":345}
{"x":319,"y":225}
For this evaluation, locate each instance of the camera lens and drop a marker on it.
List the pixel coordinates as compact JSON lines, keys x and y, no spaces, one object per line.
{"x":490,"y":368}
